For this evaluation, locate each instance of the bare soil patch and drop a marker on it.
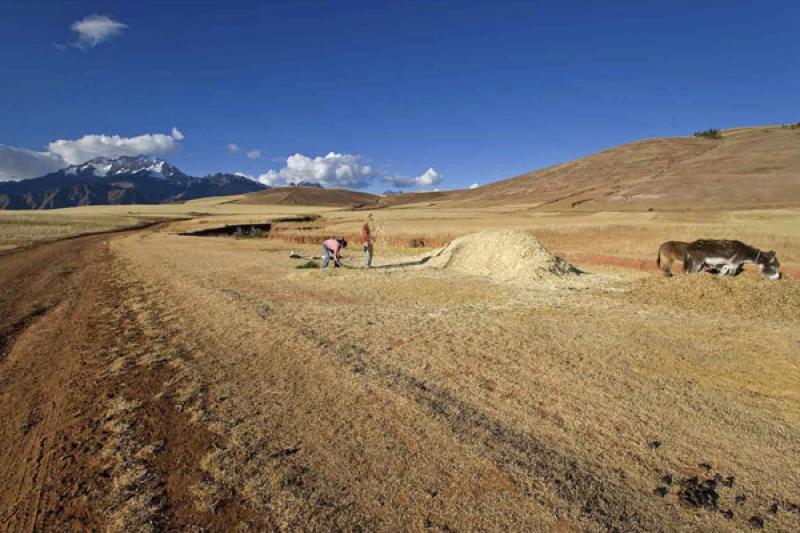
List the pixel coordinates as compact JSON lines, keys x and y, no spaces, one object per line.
{"x":89,"y":443}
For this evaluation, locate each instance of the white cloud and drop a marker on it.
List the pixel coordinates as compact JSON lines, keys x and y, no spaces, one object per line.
{"x":340,"y":170}
{"x":428,"y":178}
{"x":253,"y":154}
{"x":271,"y":178}
{"x":474,"y":186}
{"x":332,"y":170}
{"x":233,"y":148}
{"x":91,"y":146}
{"x":95,"y":29}
{"x":20,"y":163}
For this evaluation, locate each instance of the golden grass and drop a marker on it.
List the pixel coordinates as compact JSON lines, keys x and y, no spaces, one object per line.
{"x":392,"y":399}
{"x":23,"y":228}
{"x":618,"y":234}
{"x":413,"y":398}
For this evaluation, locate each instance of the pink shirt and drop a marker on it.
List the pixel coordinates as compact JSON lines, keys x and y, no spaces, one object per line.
{"x":333,"y":245}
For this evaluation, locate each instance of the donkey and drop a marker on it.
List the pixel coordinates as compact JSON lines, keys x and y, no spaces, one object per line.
{"x":728,"y":257}
{"x":668,"y":253}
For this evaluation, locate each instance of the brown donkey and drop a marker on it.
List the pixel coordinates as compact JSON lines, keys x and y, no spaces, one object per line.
{"x":668,"y":253}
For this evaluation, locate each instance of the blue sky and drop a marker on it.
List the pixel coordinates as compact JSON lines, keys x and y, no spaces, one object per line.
{"x":478,"y":91}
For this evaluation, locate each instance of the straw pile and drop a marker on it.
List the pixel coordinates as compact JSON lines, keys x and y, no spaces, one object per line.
{"x":508,"y":256}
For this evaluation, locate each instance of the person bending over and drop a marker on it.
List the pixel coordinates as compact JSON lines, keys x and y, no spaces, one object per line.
{"x":332,"y":248}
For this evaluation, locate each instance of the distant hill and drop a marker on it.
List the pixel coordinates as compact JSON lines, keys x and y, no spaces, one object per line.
{"x":407,"y":198}
{"x":125,"y":180}
{"x":745,"y":168}
{"x":298,"y":195}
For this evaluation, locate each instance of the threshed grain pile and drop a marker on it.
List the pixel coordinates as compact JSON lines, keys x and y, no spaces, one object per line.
{"x":508,"y":256}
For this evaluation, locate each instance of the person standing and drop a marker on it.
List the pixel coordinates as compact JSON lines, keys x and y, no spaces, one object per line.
{"x":332,"y":248}
{"x":366,"y":238}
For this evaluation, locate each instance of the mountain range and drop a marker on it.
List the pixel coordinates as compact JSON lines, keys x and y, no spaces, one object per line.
{"x":738,"y":168}
{"x":124,"y":180}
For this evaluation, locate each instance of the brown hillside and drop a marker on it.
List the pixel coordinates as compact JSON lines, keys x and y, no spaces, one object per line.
{"x":746,"y":168}
{"x":755,"y":167}
{"x":309,"y":196}
{"x":414,"y":198}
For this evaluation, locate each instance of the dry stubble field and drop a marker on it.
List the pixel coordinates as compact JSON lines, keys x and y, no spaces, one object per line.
{"x":230,"y":390}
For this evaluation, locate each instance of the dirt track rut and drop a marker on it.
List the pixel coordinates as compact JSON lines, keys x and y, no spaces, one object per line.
{"x":75,"y":455}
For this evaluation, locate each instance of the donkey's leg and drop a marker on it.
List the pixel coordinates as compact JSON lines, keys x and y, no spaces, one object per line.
{"x":687,"y":264}
{"x":692,"y":264}
{"x":665,"y":265}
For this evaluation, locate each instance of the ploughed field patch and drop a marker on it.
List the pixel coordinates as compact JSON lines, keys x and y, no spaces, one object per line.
{"x":250,"y":229}
{"x":232,"y":230}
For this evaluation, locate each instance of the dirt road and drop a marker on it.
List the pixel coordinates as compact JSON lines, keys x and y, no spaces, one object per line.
{"x":70,"y":461}
{"x":154,"y":382}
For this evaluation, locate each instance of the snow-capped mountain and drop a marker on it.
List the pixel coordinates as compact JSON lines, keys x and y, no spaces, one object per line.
{"x":104,"y":167}
{"x":124,"y":180}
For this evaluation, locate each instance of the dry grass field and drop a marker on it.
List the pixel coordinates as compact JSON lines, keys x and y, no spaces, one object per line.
{"x":156,"y":381}
{"x":18,"y":229}
{"x":23,"y":228}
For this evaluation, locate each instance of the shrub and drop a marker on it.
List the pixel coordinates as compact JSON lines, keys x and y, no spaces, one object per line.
{"x":710,"y":133}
